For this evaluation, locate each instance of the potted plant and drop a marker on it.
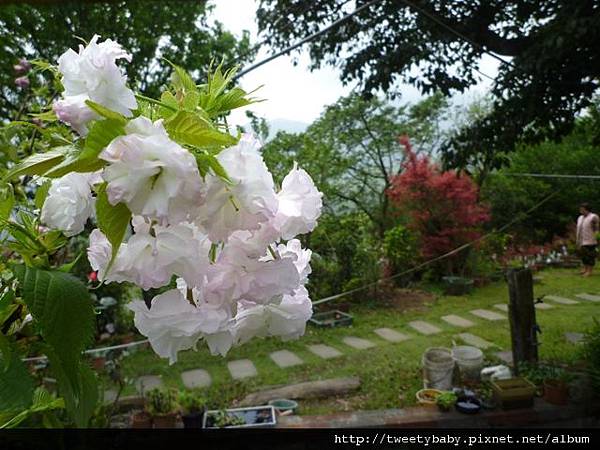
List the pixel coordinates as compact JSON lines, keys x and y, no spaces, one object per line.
{"x":428,"y":397}
{"x":163,"y":408}
{"x":251,"y":417}
{"x":446,"y":400}
{"x":556,"y":388}
{"x":141,"y":419}
{"x":485,"y":394}
{"x":193,"y":407}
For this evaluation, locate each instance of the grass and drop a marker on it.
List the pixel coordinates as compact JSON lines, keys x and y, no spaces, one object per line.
{"x":390,"y":373}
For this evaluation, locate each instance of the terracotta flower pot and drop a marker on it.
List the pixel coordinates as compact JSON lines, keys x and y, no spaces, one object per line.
{"x":556,"y":392}
{"x":165,"y":420}
{"x":141,"y":420}
{"x":99,"y":362}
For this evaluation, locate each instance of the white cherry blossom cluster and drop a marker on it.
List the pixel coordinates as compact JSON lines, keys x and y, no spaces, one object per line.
{"x":229,"y":243}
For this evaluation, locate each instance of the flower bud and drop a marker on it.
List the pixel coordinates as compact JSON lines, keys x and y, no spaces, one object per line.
{"x":22,"y":82}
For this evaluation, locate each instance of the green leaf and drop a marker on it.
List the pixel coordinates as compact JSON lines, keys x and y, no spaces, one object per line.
{"x":107,"y":113}
{"x":5,"y":352}
{"x":43,"y":402}
{"x":67,"y":267}
{"x":16,"y":385}
{"x":38,"y":163}
{"x":207,"y":161}
{"x":112,"y":220}
{"x":190,"y":128}
{"x":173,"y":105}
{"x":7,"y":200}
{"x":182,"y":80}
{"x":41,"y":193}
{"x":100,"y":135}
{"x":62,"y":307}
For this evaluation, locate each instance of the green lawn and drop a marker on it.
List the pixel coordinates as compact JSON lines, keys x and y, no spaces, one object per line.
{"x":390,"y":373}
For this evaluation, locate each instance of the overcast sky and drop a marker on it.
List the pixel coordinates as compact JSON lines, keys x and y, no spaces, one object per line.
{"x":293,"y":92}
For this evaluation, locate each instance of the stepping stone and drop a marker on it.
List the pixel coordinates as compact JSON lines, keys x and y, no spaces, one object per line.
{"x":457,"y":321}
{"x":110,"y":395}
{"x":324,"y":351}
{"x":475,"y":341}
{"x":506,"y":357}
{"x":424,"y":327}
{"x":488,"y":315}
{"x":241,"y":368}
{"x":501,"y":307}
{"x":543,"y":306}
{"x":146,"y":383}
{"x":589,"y":297}
{"x":390,"y":335}
{"x":285,"y":358}
{"x":561,"y":300}
{"x":195,"y":378}
{"x":358,"y":343}
{"x":574,"y":338}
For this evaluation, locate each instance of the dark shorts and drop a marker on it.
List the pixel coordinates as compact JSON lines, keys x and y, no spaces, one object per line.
{"x":588,"y":255}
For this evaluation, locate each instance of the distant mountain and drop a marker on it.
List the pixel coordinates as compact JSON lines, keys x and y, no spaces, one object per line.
{"x":291,"y":126}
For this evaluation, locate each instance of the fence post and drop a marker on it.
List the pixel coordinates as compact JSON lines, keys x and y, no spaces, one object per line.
{"x":521,"y":313}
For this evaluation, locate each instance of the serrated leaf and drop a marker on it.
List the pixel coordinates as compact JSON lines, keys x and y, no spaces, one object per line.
{"x":191,"y":100}
{"x":62,"y":306}
{"x":16,"y":385}
{"x":106,"y":113}
{"x":189,"y":128}
{"x":182,"y":80}
{"x":112,"y":220}
{"x":38,"y":163}
{"x":168,"y":99}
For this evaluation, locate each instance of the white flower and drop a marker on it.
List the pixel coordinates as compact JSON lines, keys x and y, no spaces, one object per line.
{"x":99,"y":252}
{"x":153,"y":175}
{"x":173,"y":323}
{"x":245,"y":203}
{"x":300,"y":204}
{"x":286,"y":319}
{"x":69,"y":203}
{"x":92,"y":74}
{"x":151,"y":258}
{"x":301,"y":257}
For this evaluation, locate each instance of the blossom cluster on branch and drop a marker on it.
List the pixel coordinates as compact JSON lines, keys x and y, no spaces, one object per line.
{"x":200,"y":206}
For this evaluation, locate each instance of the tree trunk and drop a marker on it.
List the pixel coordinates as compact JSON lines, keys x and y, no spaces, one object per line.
{"x":521,"y":312}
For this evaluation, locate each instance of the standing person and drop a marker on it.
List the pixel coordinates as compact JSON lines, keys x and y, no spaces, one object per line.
{"x":587,"y":227}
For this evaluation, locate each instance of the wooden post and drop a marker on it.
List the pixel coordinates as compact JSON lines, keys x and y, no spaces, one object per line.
{"x":521,"y":313}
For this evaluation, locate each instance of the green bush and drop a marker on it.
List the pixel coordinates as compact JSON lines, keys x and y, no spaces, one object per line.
{"x":399,"y":248}
{"x":591,"y":350}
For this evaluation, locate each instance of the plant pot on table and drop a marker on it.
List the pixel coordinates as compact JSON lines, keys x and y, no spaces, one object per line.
{"x":192,"y":419}
{"x":556,"y":392}
{"x":165,"y":420}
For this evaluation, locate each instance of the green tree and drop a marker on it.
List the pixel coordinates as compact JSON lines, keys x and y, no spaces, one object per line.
{"x":150,"y":29}
{"x":551,"y":47}
{"x":352,"y":153}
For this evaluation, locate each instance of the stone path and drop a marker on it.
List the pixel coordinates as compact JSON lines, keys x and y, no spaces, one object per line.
{"x":488,"y":315}
{"x":241,"y":368}
{"x":475,"y":341}
{"x":589,"y":297}
{"x":543,"y":306}
{"x":358,"y":343}
{"x":285,"y":358}
{"x":390,"y":335}
{"x":561,"y":300}
{"x":324,"y":351}
{"x":457,"y":321}
{"x":574,"y":338}
{"x":146,"y":383}
{"x":424,"y":327}
{"x":195,"y":378}
{"x":501,"y":307}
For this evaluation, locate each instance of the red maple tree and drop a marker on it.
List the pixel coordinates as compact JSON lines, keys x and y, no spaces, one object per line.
{"x":443,"y":206}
